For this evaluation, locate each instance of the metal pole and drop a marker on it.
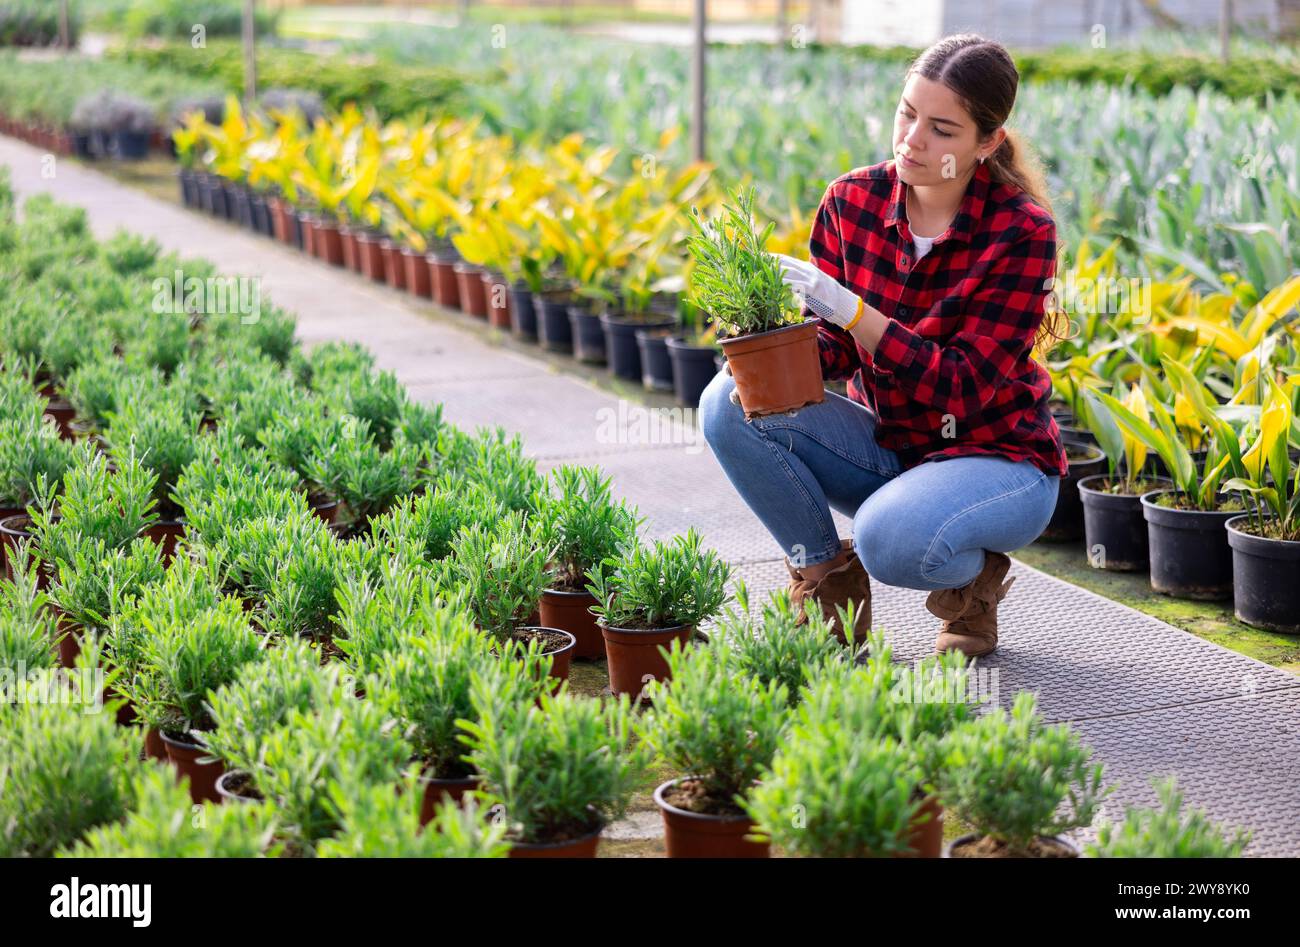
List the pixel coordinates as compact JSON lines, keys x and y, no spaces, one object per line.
{"x":697,"y":79}
{"x":782,"y":20}
{"x":250,"y":52}
{"x":65,"y":27}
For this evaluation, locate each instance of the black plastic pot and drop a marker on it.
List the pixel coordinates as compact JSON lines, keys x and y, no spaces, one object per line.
{"x":129,"y":146}
{"x":624,"y":351}
{"x":656,"y":363}
{"x":241,"y":207}
{"x":1266,"y":578}
{"x":1190,"y":556}
{"x":1079,"y":434}
{"x":214,"y":196}
{"x":523,"y":317}
{"x":1066,"y":523}
{"x":693,"y":369}
{"x":588,"y":334}
{"x":1114,"y":530}
{"x":261,"y":215}
{"x":553,"y":329}
{"x":189,"y":187}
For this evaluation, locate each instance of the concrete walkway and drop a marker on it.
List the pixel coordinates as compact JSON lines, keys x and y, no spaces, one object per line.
{"x":1151,"y":700}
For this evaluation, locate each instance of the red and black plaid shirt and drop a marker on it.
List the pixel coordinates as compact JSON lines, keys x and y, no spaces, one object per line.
{"x":953,"y":374}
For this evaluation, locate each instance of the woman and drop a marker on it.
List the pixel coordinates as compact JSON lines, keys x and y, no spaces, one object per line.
{"x":931,"y":275}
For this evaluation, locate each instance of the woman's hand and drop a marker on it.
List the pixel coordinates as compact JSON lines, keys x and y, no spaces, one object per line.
{"x":822,"y":294}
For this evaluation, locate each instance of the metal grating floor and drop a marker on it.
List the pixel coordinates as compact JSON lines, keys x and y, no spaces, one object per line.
{"x":1150,"y":699}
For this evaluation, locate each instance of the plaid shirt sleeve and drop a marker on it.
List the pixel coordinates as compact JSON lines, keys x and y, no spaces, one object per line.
{"x":998,"y":328}
{"x":836,"y":348}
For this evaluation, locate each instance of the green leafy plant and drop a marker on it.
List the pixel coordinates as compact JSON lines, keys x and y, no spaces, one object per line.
{"x":498,"y":573}
{"x":162,"y":435}
{"x":661,"y":586}
{"x":431,"y":520}
{"x":27,"y":627}
{"x":30,"y":450}
{"x":718,"y":726}
{"x":1165,"y":832}
{"x":91,"y":586}
{"x":164,"y":824}
{"x":561,"y":768}
{"x":1008,"y":775}
{"x":775,"y":647}
{"x":734,"y":279}
{"x":578,"y":517}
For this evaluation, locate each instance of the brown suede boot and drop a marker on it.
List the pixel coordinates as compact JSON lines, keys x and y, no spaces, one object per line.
{"x":849,"y":582}
{"x":970,"y":613}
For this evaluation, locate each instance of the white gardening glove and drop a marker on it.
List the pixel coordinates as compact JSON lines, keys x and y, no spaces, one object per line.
{"x":821,"y":293}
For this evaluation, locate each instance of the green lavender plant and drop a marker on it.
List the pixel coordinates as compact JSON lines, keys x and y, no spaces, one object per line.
{"x":734,"y":279}
{"x":561,"y":768}
{"x":716,"y":725}
{"x":1166,"y":832}
{"x":432,"y":519}
{"x":498,"y":573}
{"x":27,"y":628}
{"x":162,"y":435}
{"x":775,"y":647}
{"x":662,"y":586}
{"x":1008,"y":774}
{"x":94,"y":583}
{"x":578,"y":517}
{"x":29,"y":451}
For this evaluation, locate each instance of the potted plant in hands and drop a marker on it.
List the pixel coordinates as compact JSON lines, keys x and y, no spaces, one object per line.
{"x":648,"y":597}
{"x":1115,"y":532}
{"x":576,"y":516}
{"x":1165,"y":832}
{"x":770,"y":349}
{"x":1008,"y":775}
{"x":499,"y":574}
{"x":721,"y":727}
{"x":1189,"y":552}
{"x":1266,"y":541}
{"x":561,"y":769}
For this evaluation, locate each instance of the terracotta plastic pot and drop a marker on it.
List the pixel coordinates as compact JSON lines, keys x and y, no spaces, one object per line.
{"x":417,"y":273}
{"x":324,"y":507}
{"x":776,"y":371}
{"x":1266,"y":578}
{"x":166,"y":533}
{"x":582,"y":847}
{"x":1189,"y":551}
{"x":496,"y":292}
{"x":1066,"y":523}
{"x":698,"y":835}
{"x":1115,"y":532}
{"x":307,"y":228}
{"x":62,"y":413}
{"x":70,"y":644}
{"x":394,"y":268}
{"x":561,"y":657}
{"x":203,"y":777}
{"x":571,"y":612}
{"x":634,"y":657}
{"x":436,"y":790}
{"x":154,"y":748}
{"x":442,"y":278}
{"x":231,"y":787}
{"x":1064,"y":843}
{"x":469,"y":285}
{"x":926,"y":838}
{"x":15,"y":528}
{"x":280,"y":215}
{"x":5,"y":539}
{"x":348,"y":240}
{"x":656,"y":363}
{"x":328,"y":245}
{"x":371,"y":256}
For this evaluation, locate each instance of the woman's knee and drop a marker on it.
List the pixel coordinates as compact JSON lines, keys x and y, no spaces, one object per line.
{"x":891,"y":545}
{"x":717,"y":413}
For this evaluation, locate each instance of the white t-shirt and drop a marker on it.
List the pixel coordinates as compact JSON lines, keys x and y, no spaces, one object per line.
{"x":923,"y":244}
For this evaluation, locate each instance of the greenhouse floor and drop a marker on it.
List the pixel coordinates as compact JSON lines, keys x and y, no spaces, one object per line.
{"x":1151,"y":699}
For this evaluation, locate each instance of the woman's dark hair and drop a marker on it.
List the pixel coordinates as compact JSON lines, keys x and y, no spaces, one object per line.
{"x":984,"y":78}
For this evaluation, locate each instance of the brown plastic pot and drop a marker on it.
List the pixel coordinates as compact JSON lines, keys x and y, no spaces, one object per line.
{"x":62,"y":413}
{"x":436,"y":790}
{"x":228,"y":785}
{"x":307,"y":224}
{"x":442,"y":278}
{"x":926,"y":838}
{"x":203,"y":776}
{"x":5,"y":513}
{"x":975,"y":836}
{"x":776,"y":371}
{"x":324,"y":507}
{"x":349,"y":241}
{"x":699,"y":835}
{"x":371,"y":256}
{"x":634,"y":657}
{"x":70,"y":643}
{"x":561,"y":658}
{"x":154,"y":748}
{"x":571,"y":612}
{"x":469,"y":283}
{"x":281,"y":223}
{"x":327,"y":243}
{"x":497,"y":293}
{"x":394,"y":270}
{"x":166,"y":533}
{"x":582,"y":847}
{"x":12,"y":529}
{"x":417,"y":273}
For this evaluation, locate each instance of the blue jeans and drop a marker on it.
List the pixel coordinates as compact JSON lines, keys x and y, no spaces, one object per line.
{"x":923,"y":528}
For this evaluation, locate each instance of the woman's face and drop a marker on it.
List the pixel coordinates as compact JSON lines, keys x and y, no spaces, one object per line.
{"x":934,"y":131}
